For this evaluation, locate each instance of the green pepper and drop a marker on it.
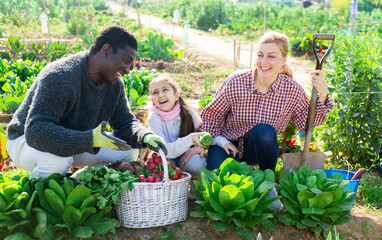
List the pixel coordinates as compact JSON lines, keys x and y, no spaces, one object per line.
{"x":206,"y":139}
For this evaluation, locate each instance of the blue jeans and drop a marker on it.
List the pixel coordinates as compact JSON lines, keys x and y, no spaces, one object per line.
{"x":260,"y":148}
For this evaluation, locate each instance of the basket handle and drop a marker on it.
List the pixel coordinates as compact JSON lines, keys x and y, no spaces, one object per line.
{"x":165,"y":166}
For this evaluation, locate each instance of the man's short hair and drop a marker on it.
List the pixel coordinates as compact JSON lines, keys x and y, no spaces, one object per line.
{"x":117,"y":37}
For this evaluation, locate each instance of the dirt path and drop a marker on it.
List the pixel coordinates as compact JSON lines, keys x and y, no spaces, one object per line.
{"x":210,"y":48}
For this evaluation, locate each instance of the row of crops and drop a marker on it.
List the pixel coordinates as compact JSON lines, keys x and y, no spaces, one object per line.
{"x":248,"y":20}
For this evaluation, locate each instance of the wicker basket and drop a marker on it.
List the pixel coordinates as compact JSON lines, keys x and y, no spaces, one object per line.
{"x":154,"y":204}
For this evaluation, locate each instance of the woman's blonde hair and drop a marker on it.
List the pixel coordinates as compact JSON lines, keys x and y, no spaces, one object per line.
{"x":282,"y":41}
{"x":186,"y":121}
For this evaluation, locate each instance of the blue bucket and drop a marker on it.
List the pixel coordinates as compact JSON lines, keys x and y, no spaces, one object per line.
{"x":353,"y":184}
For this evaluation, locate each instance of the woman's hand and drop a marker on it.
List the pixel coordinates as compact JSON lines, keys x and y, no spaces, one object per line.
{"x":230,"y":148}
{"x":318,"y":81}
{"x":195,"y":138}
{"x":194,"y":150}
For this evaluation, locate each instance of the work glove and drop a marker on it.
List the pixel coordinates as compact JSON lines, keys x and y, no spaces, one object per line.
{"x":102,"y":139}
{"x":155,"y":142}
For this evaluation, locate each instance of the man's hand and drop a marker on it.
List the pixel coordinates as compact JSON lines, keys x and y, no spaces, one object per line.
{"x":230,"y":148}
{"x":194,"y":150}
{"x":155,"y":142}
{"x":102,"y":139}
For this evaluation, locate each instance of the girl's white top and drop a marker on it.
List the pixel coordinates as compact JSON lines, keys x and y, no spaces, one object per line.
{"x":169,"y":131}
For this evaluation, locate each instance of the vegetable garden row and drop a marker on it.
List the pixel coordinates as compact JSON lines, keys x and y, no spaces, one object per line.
{"x":234,"y":196}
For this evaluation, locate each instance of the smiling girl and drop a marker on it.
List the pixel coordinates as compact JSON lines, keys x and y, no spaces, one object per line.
{"x":173,"y":120}
{"x":252,"y":106}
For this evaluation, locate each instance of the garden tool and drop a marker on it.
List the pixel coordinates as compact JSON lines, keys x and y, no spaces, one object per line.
{"x":314,"y":160}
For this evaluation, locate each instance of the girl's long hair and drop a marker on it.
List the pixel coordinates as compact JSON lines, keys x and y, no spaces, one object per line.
{"x":186,"y":121}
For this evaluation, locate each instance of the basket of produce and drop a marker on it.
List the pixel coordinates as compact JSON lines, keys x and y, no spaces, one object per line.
{"x":157,"y":200}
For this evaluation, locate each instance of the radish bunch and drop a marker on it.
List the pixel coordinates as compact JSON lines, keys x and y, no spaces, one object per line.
{"x":154,"y":170}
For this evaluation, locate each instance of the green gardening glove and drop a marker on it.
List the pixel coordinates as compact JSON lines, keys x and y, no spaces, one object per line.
{"x":155,"y":142}
{"x":102,"y":139}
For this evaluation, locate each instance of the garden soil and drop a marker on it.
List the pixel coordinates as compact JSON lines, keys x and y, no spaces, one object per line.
{"x":217,"y":53}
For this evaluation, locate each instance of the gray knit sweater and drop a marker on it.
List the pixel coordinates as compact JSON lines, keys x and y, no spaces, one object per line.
{"x":63,"y":106}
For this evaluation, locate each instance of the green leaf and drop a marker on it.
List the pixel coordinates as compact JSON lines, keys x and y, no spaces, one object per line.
{"x":86,"y":212}
{"x":220,"y":226}
{"x":309,"y":222}
{"x":216,"y":216}
{"x":267,"y":224}
{"x":248,"y":189}
{"x":216,"y":206}
{"x":288,"y":219}
{"x":238,"y":222}
{"x":77,"y":196}
{"x":57,"y":189}
{"x":321,"y":200}
{"x":230,"y":166}
{"x":82,"y":231}
{"x":258,"y":178}
{"x":40,"y":228}
{"x":301,"y":187}
{"x":230,"y":197}
{"x":102,"y":227}
{"x":303,"y":198}
{"x":244,"y":233}
{"x":88,"y":202}
{"x":72,"y":216}
{"x":313,"y":211}
{"x":198,"y":214}
{"x":18,"y":236}
{"x":233,"y":179}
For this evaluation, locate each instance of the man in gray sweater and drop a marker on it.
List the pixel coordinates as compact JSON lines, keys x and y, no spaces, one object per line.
{"x":58,"y":125}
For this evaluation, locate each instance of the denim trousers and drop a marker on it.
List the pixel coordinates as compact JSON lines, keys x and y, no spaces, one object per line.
{"x":260,"y":148}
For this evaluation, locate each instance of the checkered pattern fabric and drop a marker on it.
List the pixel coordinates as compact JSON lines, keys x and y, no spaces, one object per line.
{"x":238,"y":107}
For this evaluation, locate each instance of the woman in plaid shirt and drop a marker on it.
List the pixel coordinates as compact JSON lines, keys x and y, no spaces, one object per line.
{"x":252,"y":106}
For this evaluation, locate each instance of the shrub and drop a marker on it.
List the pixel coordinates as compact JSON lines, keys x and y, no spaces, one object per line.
{"x":370,"y":191}
{"x":29,"y":55}
{"x":5,"y":55}
{"x":353,"y":126}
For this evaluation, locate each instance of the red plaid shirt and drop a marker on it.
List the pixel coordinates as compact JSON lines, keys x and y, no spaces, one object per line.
{"x":238,"y":107}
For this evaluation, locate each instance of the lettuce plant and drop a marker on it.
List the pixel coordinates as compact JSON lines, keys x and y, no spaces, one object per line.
{"x":314,"y":201}
{"x":235,"y":197}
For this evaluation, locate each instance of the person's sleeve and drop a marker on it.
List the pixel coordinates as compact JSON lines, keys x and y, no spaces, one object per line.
{"x":125,"y":124}
{"x":175,"y":149}
{"x":43,"y":130}
{"x":300,"y":114}
{"x":214,"y":114}
{"x":220,"y":141}
{"x":196,"y":119}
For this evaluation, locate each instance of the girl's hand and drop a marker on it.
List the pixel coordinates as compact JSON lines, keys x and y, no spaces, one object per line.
{"x":194,"y":150}
{"x":318,"y":81}
{"x":230,"y":148}
{"x":195,"y":138}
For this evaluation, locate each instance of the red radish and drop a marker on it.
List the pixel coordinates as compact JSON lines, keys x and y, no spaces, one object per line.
{"x":151,"y":160}
{"x":155,"y":171}
{"x":154,"y":155}
{"x":152,"y":166}
{"x":161,"y":173}
{"x":157,"y":180}
{"x":141,"y":178}
{"x":156,"y":160}
{"x":152,"y":175}
{"x":150,"y":179}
